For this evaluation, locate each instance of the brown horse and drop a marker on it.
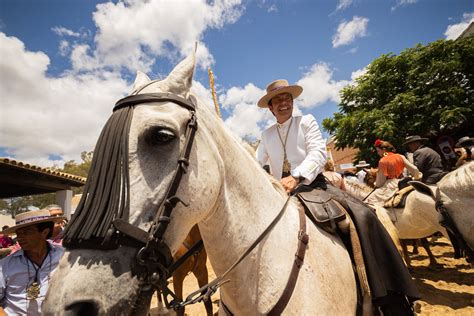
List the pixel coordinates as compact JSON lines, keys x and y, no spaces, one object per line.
{"x":196,"y":264}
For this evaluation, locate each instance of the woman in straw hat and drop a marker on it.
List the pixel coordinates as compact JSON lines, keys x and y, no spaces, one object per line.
{"x":293,"y":146}
{"x":24,"y":275}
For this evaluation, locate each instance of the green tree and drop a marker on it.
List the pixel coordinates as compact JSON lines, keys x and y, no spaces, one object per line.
{"x":426,"y":90}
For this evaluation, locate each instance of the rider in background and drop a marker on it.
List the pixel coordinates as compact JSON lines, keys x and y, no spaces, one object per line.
{"x":390,"y":171}
{"x":333,"y":177}
{"x":425,"y":159}
{"x":465,"y":150}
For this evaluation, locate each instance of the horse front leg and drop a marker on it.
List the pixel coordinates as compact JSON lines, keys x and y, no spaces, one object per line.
{"x":201,"y":274}
{"x":433,"y":263}
{"x":178,"y":280}
{"x":406,"y":256}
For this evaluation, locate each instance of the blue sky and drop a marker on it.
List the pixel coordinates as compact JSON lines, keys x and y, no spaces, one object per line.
{"x":63,"y":63}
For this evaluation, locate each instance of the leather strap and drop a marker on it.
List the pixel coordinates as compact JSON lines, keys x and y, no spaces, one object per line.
{"x":303,"y":240}
{"x":295,"y":270}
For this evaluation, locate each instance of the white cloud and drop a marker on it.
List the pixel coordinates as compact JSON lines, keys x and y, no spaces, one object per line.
{"x":358,"y":73}
{"x":64,"y":48}
{"x":347,"y":32}
{"x":272,"y":8}
{"x":132,"y":34}
{"x":62,"y":31}
{"x":42,"y":116}
{"x":245,"y":115}
{"x":319,"y":86}
{"x":454,"y":30}
{"x":343,"y":4}
{"x":400,"y":3}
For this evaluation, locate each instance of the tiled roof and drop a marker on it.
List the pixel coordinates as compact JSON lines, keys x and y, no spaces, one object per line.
{"x":22,"y":165}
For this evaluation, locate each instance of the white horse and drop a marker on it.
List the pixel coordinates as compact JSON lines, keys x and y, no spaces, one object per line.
{"x":456,"y":193}
{"x":418,"y":219}
{"x":232,"y":201}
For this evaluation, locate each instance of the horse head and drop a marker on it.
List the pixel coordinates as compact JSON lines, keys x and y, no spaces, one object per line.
{"x":144,"y":174}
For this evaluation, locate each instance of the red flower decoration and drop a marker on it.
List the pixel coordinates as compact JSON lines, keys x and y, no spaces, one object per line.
{"x":378,"y":143}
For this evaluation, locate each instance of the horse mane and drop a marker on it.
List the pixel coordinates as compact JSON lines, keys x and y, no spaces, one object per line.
{"x":106,"y":194}
{"x":459,"y":180}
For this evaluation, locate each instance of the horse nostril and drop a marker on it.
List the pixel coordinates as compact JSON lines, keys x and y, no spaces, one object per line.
{"x":89,"y":308}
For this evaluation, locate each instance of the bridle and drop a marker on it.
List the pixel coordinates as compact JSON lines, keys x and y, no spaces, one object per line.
{"x":153,"y":263}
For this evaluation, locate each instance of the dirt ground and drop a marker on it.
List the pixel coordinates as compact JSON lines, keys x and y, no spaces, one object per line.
{"x":445,"y":291}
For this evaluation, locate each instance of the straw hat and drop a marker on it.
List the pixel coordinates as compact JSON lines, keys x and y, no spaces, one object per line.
{"x":415,"y":138}
{"x":464,"y":141}
{"x":32,"y":218}
{"x":277,"y":87}
{"x":362,"y":164}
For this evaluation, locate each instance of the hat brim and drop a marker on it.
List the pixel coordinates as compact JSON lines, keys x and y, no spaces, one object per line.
{"x":12,"y":230}
{"x":294,"y":90}
{"x":461,"y":142}
{"x":414,"y":140}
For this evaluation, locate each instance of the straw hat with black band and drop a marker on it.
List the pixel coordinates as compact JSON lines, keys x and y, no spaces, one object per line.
{"x":31,"y":218}
{"x":362,"y":164}
{"x":277,"y":87}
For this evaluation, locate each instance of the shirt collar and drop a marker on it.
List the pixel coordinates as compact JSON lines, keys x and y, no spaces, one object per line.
{"x":285,"y":124}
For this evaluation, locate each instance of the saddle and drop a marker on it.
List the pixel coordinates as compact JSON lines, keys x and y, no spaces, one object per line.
{"x":321,"y":208}
{"x":399,"y":199}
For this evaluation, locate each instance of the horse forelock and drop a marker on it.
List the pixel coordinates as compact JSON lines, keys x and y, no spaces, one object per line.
{"x":106,"y":193}
{"x":459,"y":180}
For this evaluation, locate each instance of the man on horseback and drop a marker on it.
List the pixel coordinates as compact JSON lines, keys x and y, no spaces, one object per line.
{"x":425,"y":159}
{"x":296,"y":153}
{"x":294,"y":147}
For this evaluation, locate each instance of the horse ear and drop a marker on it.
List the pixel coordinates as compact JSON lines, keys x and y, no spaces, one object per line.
{"x":140,"y":81}
{"x":180,"y":78}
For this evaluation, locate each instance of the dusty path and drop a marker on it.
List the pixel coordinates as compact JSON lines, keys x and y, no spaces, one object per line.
{"x":448,"y":291}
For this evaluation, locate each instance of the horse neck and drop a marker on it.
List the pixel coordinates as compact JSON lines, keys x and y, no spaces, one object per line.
{"x":248,"y":203}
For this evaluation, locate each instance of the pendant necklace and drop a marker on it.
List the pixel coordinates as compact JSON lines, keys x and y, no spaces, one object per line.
{"x":286,"y":171}
{"x":33,"y":290}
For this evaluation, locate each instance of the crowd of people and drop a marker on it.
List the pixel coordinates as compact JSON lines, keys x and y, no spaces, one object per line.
{"x":30,"y":259}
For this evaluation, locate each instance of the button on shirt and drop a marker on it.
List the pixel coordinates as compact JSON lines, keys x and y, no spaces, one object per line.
{"x":17,"y":273}
{"x":305,"y":148}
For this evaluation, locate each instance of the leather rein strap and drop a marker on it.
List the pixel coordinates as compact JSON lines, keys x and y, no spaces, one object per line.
{"x":303,"y":240}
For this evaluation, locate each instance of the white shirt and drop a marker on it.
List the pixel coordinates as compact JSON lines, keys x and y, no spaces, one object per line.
{"x":361,"y":176}
{"x":17,"y":273}
{"x":305,"y":148}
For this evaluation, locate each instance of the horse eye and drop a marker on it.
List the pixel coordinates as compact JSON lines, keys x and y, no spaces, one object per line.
{"x":160,"y":136}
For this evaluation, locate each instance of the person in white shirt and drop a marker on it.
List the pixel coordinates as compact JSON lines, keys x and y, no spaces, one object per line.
{"x":293,"y":147}
{"x":25,"y":275}
{"x":361,"y":173}
{"x":296,"y":153}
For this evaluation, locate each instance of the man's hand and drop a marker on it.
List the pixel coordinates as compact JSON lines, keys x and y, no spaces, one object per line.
{"x":289,"y":183}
